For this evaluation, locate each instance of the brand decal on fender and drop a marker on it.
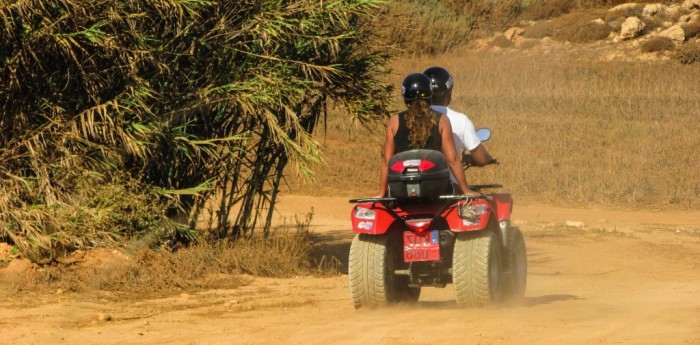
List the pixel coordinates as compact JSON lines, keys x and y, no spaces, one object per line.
{"x":365,"y":225}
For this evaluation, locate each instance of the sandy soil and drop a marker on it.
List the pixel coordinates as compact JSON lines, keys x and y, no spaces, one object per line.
{"x":608,"y":277}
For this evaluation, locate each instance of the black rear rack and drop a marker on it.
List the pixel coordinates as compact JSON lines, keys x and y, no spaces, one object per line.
{"x":476,"y":187}
{"x":361,"y":200}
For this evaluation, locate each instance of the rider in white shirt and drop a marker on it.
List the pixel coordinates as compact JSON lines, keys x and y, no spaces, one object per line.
{"x":463,"y":131}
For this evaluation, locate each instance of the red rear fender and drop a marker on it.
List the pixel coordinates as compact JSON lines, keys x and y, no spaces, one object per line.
{"x":459,"y":224}
{"x":371,"y":218}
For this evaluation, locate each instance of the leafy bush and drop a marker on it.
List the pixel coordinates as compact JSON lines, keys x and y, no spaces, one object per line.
{"x":190,"y":100}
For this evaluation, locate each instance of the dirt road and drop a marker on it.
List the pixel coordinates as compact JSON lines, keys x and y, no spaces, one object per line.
{"x":609,"y":277}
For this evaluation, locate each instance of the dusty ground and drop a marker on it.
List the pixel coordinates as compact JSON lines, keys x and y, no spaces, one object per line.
{"x":609,"y":277}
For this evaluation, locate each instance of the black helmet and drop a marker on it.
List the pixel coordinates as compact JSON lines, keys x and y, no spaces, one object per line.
{"x":441,"y":79}
{"x":416,"y":85}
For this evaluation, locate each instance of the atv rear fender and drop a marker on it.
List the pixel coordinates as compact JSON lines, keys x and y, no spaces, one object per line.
{"x":500,"y":206}
{"x":383,"y":218}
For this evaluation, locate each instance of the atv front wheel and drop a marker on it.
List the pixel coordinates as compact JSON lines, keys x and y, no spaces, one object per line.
{"x":476,"y":268}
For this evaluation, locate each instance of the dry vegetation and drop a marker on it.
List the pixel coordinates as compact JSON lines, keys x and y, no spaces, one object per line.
{"x":688,"y":53}
{"x":288,"y":251}
{"x":566,"y":130}
{"x":576,"y":26}
{"x":657,"y":44}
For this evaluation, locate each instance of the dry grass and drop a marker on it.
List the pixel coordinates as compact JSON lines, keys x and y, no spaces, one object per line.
{"x":285,"y":253}
{"x":490,"y":15}
{"x":547,"y":9}
{"x":657,"y":44}
{"x":501,"y":41}
{"x":620,"y":15}
{"x":576,"y":26}
{"x":567,"y":131}
{"x":688,"y":53}
{"x":423,"y":27}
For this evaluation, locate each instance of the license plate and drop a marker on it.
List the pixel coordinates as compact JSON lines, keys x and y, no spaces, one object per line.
{"x":421,"y":247}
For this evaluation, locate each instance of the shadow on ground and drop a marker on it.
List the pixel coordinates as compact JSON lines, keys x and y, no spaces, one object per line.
{"x":333,"y":245}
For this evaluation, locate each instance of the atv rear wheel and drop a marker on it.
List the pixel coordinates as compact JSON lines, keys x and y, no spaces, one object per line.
{"x":476,"y":268}
{"x":371,"y":272}
{"x":516,"y":265}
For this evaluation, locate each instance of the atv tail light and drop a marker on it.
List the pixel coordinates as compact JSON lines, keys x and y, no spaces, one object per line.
{"x":419,"y":225}
{"x":364,"y":213}
{"x":421,"y":164}
{"x":467,"y":211}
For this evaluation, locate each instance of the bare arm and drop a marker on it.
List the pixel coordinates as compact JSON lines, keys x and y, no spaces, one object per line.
{"x":388,"y":152}
{"x":481,"y":156}
{"x":453,"y":159}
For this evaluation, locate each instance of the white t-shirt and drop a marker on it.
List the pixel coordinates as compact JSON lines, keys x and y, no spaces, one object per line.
{"x":463,"y":131}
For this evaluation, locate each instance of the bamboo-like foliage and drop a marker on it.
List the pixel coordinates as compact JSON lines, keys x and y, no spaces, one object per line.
{"x":115,"y":112}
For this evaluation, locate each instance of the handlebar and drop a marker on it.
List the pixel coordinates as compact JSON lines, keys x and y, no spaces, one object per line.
{"x":464,"y":197}
{"x":478,"y":187}
{"x":441,"y":197}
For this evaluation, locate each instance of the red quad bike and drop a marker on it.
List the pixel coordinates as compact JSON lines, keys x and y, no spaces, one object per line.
{"x":421,"y":237}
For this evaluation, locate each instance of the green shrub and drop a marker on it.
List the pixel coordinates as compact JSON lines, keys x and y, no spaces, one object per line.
{"x":190,"y":100}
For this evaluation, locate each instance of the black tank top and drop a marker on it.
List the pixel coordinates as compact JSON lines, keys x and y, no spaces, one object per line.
{"x":401,"y":142}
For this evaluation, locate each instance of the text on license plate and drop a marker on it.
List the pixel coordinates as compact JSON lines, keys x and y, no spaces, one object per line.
{"x":421,"y":247}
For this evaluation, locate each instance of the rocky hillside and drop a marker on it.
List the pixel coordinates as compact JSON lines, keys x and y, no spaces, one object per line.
{"x":631,"y":31}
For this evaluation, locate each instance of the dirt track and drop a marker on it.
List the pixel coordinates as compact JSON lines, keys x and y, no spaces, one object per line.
{"x":618,"y":278}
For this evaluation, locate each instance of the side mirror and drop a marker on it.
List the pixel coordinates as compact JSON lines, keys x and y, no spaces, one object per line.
{"x":484,"y":134}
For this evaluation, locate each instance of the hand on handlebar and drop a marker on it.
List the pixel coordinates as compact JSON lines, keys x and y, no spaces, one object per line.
{"x":468,"y":161}
{"x":472,"y":192}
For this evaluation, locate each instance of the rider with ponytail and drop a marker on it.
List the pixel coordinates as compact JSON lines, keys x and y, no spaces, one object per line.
{"x":420,"y":127}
